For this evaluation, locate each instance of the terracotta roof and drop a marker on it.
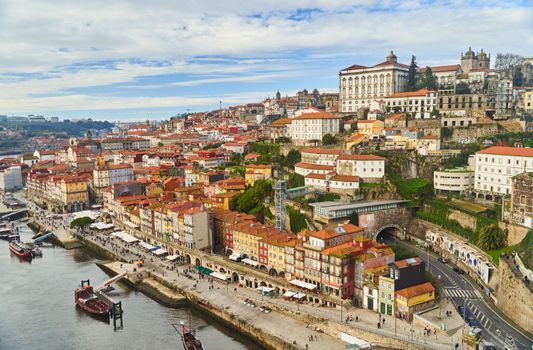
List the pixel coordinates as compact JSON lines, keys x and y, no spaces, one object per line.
{"x":421,"y":92}
{"x":414,"y":291}
{"x":333,"y":232}
{"x":408,"y":262}
{"x":341,"y":250}
{"x":312,"y":166}
{"x":508,"y":151}
{"x":354,"y":67}
{"x":314,"y":115}
{"x":367,"y":121}
{"x":281,"y":122}
{"x":436,"y":69}
{"x":321,"y":151}
{"x":389,"y":63}
{"x":345,"y":178}
{"x":360,"y":157}
{"x":429,"y":137}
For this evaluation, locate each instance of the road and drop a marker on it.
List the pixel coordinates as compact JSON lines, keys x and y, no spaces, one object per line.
{"x":462,"y":292}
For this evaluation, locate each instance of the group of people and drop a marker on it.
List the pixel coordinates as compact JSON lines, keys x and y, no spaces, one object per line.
{"x":428,"y":331}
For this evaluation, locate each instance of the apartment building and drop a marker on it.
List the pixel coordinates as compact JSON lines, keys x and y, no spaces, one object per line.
{"x":312,"y":127}
{"x":369,"y":167}
{"x":454,"y":180}
{"x":419,"y":103}
{"x":495,"y":167}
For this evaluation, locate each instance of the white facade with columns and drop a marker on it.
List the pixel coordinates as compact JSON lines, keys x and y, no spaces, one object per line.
{"x":359,"y":85}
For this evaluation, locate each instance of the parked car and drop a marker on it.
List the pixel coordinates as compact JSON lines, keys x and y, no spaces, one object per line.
{"x":443,"y":260}
{"x":472,"y":322}
{"x":458,"y":270}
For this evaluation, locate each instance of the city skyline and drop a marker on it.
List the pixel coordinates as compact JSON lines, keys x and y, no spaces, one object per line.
{"x":133,"y":62}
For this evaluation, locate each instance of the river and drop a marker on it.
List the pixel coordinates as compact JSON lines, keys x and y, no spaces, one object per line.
{"x":37,"y":309}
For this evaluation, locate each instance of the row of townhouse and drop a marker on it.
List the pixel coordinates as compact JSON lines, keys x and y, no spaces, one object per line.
{"x":62,"y":192}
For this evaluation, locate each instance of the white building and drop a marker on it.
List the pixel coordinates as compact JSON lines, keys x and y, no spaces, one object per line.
{"x":310,"y":168}
{"x":11,"y":179}
{"x":454,"y":180}
{"x":313,"y":126}
{"x":366,"y":166}
{"x":419,"y":103}
{"x":320,"y":156}
{"x":359,"y":85}
{"x":495,"y":166}
{"x":332,"y":182}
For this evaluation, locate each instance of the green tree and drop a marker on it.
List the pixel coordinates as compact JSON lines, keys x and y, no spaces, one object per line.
{"x":445,"y":132}
{"x":297,"y":220}
{"x":253,"y":196}
{"x":329,"y":139}
{"x":283,"y":139}
{"x":81,"y":222}
{"x":462,"y":88}
{"x":411,"y":78}
{"x":492,"y":237}
{"x":160,"y":144}
{"x":293,"y":157}
{"x":427,"y":80}
{"x":518,"y":77}
{"x":295,"y":180}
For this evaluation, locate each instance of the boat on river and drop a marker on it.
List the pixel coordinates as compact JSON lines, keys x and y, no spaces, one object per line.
{"x":5,"y":233}
{"x":20,"y":249}
{"x":188,"y":338}
{"x":87,"y":300}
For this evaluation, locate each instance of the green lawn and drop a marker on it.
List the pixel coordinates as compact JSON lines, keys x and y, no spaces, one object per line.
{"x":468,"y":206}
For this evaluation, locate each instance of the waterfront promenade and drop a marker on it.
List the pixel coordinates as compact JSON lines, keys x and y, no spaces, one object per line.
{"x":291,"y":321}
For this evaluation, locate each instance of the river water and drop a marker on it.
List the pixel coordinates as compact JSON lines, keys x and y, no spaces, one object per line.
{"x":37,"y":309}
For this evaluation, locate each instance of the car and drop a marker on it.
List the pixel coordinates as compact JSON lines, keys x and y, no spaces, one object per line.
{"x":443,"y":260}
{"x":472,"y":322}
{"x":458,"y":270}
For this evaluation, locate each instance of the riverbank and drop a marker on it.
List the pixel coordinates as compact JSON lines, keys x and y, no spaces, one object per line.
{"x":272,"y":331}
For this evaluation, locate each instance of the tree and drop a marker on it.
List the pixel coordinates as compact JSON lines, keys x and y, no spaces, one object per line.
{"x":253,"y":196}
{"x":160,"y":144}
{"x":293,"y":157}
{"x":411,"y":78}
{"x":492,"y":237}
{"x":518,"y":77}
{"x":427,"y":80}
{"x":81,"y":222}
{"x":505,"y":61}
{"x":462,"y":88}
{"x":295,"y":180}
{"x":329,"y":139}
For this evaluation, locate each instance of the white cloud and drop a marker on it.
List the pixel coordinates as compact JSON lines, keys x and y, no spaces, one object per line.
{"x":242,"y":40}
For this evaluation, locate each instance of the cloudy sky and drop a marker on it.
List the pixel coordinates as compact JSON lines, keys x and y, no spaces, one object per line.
{"x":152,"y":59}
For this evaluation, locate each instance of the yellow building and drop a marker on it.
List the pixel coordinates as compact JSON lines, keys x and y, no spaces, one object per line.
{"x":256,"y":172}
{"x":528,"y":101}
{"x":370,"y":127}
{"x":74,"y":193}
{"x":413,"y":299}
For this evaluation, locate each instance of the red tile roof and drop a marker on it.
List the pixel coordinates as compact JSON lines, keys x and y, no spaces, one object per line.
{"x":421,"y":92}
{"x":508,"y":151}
{"x":414,"y":291}
{"x":360,"y":157}
{"x":448,"y":68}
{"x":320,"y":115}
{"x":321,"y":151}
{"x":312,"y":166}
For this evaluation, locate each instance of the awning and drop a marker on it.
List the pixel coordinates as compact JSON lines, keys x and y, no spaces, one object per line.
{"x":265,"y":289}
{"x":126,"y":237}
{"x":172,"y":257}
{"x":204,"y":270}
{"x":146,"y":246}
{"x":235,"y":256}
{"x":250,"y":262}
{"x":303,"y":284}
{"x":289,"y":294}
{"x":154,"y":248}
{"x":220,"y":276}
{"x":299,"y":296}
{"x":101,"y":225}
{"x":160,"y":252}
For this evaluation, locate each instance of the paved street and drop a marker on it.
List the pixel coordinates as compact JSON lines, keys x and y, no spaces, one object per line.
{"x":462,"y":291}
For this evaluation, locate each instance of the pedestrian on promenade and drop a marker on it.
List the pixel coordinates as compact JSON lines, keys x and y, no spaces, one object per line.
{"x":379,"y":324}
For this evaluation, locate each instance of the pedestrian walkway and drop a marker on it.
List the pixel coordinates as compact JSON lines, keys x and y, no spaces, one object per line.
{"x":461,"y":293}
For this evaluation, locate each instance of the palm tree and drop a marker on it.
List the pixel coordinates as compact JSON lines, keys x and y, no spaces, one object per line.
{"x":492,"y":237}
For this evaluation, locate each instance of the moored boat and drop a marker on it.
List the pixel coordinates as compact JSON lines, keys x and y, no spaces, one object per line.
{"x":19,"y":249}
{"x":89,"y":301}
{"x":5,"y":233}
{"x":188,"y":338}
